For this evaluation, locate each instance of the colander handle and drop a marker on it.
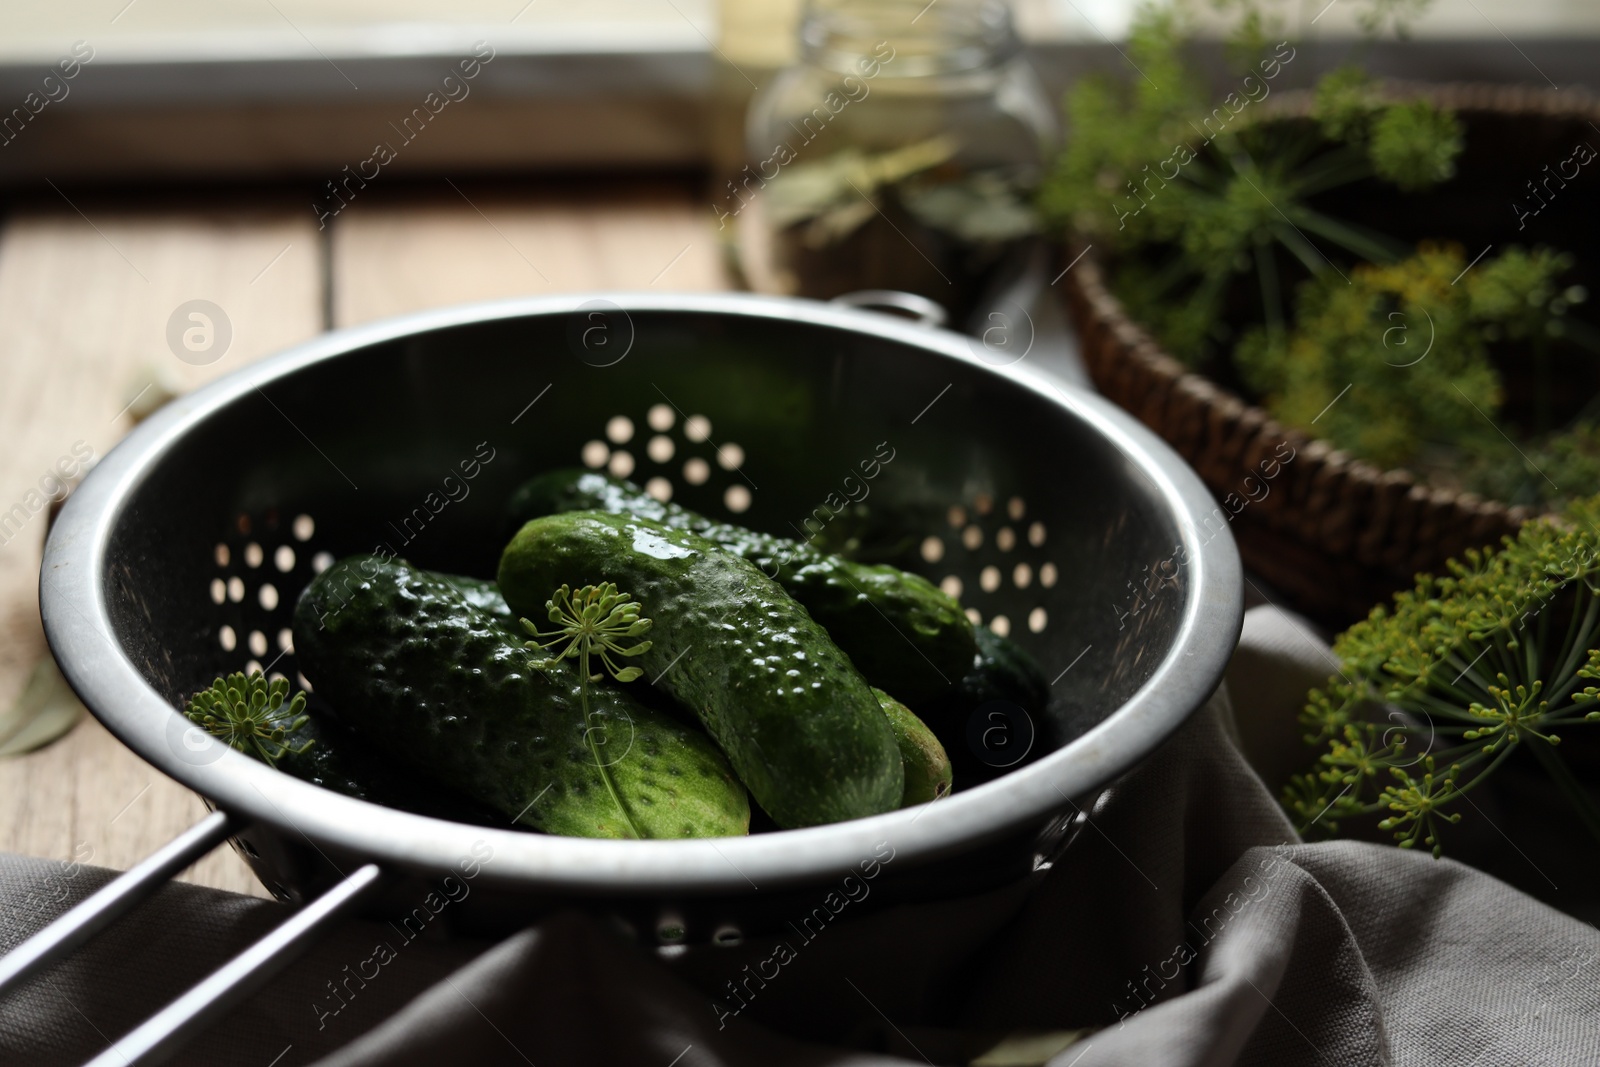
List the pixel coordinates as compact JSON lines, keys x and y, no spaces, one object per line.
{"x":111,"y":901}
{"x":925,"y":311}
{"x":157,"y":1037}
{"x":225,"y":988}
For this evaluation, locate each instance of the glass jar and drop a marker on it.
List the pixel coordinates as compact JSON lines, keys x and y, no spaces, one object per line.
{"x":900,"y":152}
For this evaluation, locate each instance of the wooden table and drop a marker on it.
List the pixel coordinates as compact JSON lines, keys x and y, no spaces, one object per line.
{"x":86,"y":289}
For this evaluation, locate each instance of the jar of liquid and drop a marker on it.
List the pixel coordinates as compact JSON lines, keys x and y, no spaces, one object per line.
{"x":900,"y":152}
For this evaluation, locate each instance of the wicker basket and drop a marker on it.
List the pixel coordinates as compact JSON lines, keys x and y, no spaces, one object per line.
{"x":1335,"y":535}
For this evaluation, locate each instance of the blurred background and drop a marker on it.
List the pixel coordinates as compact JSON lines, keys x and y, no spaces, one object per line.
{"x":259,"y":89}
{"x":187,"y":187}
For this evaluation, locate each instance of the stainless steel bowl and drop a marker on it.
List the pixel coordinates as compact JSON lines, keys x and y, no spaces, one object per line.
{"x":182,"y":553}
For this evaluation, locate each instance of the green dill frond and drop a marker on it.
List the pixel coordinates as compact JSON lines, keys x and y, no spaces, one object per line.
{"x":1459,"y":672}
{"x":250,"y":714}
{"x":1411,"y":339}
{"x":596,"y":620}
{"x":1110,"y":170}
{"x":1415,"y":145}
{"x":1200,"y":201}
{"x":1417,"y":804}
{"x":1343,"y":105}
{"x":1517,"y":290}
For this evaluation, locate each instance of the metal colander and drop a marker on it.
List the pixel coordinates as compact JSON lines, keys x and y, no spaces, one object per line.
{"x":1054,"y":516}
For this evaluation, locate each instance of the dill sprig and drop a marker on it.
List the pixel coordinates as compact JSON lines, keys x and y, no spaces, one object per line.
{"x":595,"y":620}
{"x":1417,"y":347}
{"x":1199,"y":201}
{"x":1437,"y":690}
{"x":250,"y":714}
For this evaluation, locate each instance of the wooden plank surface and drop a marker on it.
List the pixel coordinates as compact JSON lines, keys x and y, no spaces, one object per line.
{"x":84,"y":305}
{"x":480,"y":241}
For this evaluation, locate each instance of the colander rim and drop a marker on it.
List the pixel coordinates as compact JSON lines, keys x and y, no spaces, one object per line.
{"x":73,"y":602}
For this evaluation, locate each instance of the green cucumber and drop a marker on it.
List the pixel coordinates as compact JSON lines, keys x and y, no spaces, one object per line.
{"x":902,"y":632}
{"x":344,"y":762}
{"x":797,"y":721}
{"x":482,"y":594}
{"x":448,"y":690}
{"x":1002,"y":670}
{"x":927,"y":767}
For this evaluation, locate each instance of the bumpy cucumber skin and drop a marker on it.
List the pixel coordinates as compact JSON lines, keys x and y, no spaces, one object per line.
{"x":927,"y":766}
{"x":333,"y":765}
{"x":343,"y":762}
{"x":901,"y":631}
{"x":481,"y":593}
{"x":797,"y":721}
{"x":448,"y":689}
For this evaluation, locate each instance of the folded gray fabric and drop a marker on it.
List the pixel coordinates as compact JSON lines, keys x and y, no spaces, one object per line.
{"x":1185,"y":925}
{"x":1280,"y":658}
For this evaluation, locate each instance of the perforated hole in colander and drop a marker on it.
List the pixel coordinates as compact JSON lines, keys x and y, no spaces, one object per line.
{"x":680,"y":450}
{"x":259,"y":570}
{"x":995,"y":561}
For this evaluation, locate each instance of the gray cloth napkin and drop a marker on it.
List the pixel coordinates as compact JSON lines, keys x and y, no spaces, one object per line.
{"x":1185,"y":925}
